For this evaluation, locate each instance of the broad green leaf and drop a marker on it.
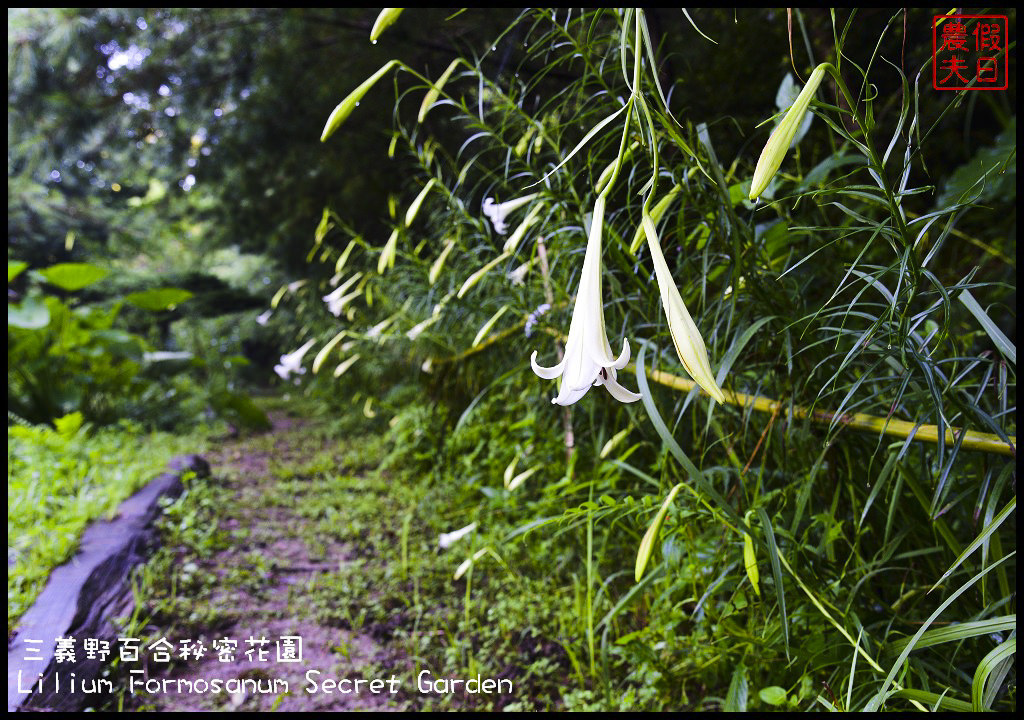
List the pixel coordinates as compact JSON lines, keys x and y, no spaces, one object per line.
{"x":989,"y":663}
{"x":73,"y":276}
{"x":773,"y":695}
{"x":15,"y":268}
{"x":935,"y":700}
{"x":957,"y":632}
{"x":736,"y":697}
{"x":158,"y":298}
{"x":1005,"y":345}
{"x":69,"y":424}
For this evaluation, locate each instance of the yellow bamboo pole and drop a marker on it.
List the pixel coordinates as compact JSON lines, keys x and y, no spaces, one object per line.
{"x":973,"y":440}
{"x":985,"y":442}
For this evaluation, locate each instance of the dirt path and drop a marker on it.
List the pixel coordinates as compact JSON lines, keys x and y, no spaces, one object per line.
{"x":263,"y":580}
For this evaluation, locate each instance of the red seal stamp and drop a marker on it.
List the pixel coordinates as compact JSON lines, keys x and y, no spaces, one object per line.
{"x":969,"y":52}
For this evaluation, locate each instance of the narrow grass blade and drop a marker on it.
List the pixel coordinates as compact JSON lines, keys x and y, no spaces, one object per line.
{"x":978,"y":541}
{"x":988,"y":664}
{"x":773,"y":557}
{"x":1007,"y":348}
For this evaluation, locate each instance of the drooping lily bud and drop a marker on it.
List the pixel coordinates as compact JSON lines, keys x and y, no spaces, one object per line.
{"x":386,"y":18}
{"x":435,"y":91}
{"x":346,"y":106}
{"x":685,"y":335}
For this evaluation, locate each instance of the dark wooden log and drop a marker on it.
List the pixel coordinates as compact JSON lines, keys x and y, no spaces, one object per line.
{"x":83,"y":596}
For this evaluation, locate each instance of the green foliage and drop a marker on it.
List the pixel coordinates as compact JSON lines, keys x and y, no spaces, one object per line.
{"x":834,"y":296}
{"x":66,"y":356}
{"x":64,"y":359}
{"x":58,"y":480}
{"x":875,"y":276}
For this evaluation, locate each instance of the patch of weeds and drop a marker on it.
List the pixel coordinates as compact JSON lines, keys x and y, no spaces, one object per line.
{"x":58,"y":480}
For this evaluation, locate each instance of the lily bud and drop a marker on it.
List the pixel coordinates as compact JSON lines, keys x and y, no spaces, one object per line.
{"x":346,"y":106}
{"x":782,"y":136}
{"x":435,"y":269}
{"x":475,"y":277}
{"x":435,"y":91}
{"x":685,"y":335}
{"x":387,"y":255}
{"x":386,"y":18}
{"x":410,"y":214}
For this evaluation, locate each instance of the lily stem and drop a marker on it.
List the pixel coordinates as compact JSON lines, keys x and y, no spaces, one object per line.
{"x":570,"y":438}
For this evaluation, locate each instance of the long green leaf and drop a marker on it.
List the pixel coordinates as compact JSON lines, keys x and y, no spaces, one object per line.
{"x":987,"y":665}
{"x":1006,"y":347}
{"x":773,"y":557}
{"x":876,"y":701}
{"x":960,"y":631}
{"x":978,"y":541}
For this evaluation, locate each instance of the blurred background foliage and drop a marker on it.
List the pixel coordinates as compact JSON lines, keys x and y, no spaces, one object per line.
{"x":176,"y":153}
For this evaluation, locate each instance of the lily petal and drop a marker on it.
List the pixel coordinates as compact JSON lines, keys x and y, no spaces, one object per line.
{"x":618,"y":392}
{"x":548,"y":373}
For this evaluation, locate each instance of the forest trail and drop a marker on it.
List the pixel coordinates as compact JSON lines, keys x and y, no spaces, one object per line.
{"x":265,"y":579}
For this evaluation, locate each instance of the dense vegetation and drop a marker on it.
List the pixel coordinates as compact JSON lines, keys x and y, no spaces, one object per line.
{"x":800,"y":489}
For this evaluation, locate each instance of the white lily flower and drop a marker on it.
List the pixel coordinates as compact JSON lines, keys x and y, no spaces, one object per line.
{"x":446,"y":540}
{"x":264,"y":317}
{"x":518,"y":275}
{"x":375,"y":332}
{"x":336,"y":304}
{"x":418,"y":329}
{"x":337,"y":300}
{"x":497,"y":212}
{"x":588,"y":358}
{"x":292,"y":362}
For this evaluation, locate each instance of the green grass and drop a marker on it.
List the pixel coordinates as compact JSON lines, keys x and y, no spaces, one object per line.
{"x":60,"y":480}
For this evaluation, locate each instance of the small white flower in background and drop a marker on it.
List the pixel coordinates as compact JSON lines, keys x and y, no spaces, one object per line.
{"x":336,"y":304}
{"x":375,"y":332}
{"x":446,"y":540}
{"x":497,"y":212}
{"x":264,"y":317}
{"x":418,"y":329}
{"x":336,"y":299}
{"x":519,"y":274}
{"x":588,"y":358}
{"x":292,"y":362}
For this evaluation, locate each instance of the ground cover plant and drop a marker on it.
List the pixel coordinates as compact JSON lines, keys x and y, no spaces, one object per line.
{"x":59,"y":479}
{"x":652,"y":359}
